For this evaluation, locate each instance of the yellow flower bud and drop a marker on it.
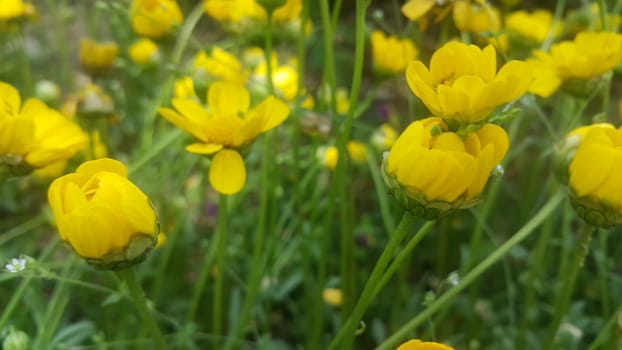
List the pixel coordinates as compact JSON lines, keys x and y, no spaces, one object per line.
{"x":431,"y":171}
{"x":593,"y":159}
{"x":144,"y":52}
{"x":103,"y":216}
{"x":391,"y":54}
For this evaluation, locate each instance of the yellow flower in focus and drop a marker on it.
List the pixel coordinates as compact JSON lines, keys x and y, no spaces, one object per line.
{"x":588,"y":56}
{"x":225,"y":129}
{"x":384,"y":137}
{"x":476,"y":17}
{"x":155,"y":18}
{"x":220,"y":64}
{"x":417,"y":344}
{"x":594,"y":168}
{"x":463,"y":84}
{"x":431,"y":170}
{"x":535,"y":25}
{"x":34,"y":136}
{"x":102,"y":215}
{"x":332,"y":296}
{"x":144,"y":52}
{"x":391,"y":54}
{"x":97,"y":57}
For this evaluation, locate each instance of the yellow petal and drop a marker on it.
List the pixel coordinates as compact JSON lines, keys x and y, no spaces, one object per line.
{"x":414,"y":9}
{"x":494,"y":135}
{"x":92,"y":167}
{"x":227,"y":173}
{"x":204,"y":148}
{"x":9,"y":100}
{"x":183,"y":123}
{"x":228,"y":98}
{"x":273,"y":111}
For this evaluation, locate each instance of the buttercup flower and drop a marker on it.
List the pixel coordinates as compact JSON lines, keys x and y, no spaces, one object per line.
{"x":417,"y":344}
{"x":574,"y":63}
{"x":535,"y":25}
{"x":103,"y":216}
{"x":225,"y":129}
{"x":417,"y":9}
{"x":384,"y":137}
{"x":431,"y":171}
{"x":238,"y":10}
{"x":476,"y":17}
{"x":14,"y":9}
{"x":155,"y":18}
{"x":35,"y":135}
{"x":590,"y":160}
{"x":220,"y":64}
{"x":463,"y":84}
{"x":144,"y":51}
{"x":391,"y":54}
{"x":97,"y":57}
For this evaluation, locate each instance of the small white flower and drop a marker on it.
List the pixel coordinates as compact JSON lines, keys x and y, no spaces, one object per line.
{"x":16,"y":265}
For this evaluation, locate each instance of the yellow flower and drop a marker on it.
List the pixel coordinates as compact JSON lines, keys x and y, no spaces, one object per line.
{"x":417,"y":344}
{"x":328,"y":155}
{"x":416,"y":9}
{"x":13,"y":9}
{"x":225,"y":129}
{"x":431,"y":170}
{"x":384,"y":137}
{"x":463,"y":83}
{"x":332,"y":296}
{"x":220,"y":64}
{"x":144,"y":51}
{"x":184,"y":88}
{"x":155,"y":18}
{"x":97,"y":57}
{"x":102,"y":215}
{"x":238,"y":10}
{"x":35,"y":136}
{"x":594,"y":170}
{"x":588,"y":56}
{"x":535,"y":25}
{"x":391,"y":54}
{"x":476,"y":18}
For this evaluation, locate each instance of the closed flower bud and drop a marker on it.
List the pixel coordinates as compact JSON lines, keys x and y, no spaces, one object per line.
{"x":16,"y":340}
{"x":103,"y":216}
{"x":431,"y":171}
{"x":592,"y":157}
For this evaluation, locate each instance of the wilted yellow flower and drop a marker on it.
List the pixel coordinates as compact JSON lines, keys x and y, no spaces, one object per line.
{"x":591,"y":163}
{"x":225,"y":129}
{"x":476,"y":17}
{"x":102,"y":215}
{"x":332,"y":296}
{"x":384,"y":137}
{"x":97,"y":57}
{"x":417,"y":344}
{"x":535,"y":25}
{"x":391,"y":54}
{"x":575,"y":62}
{"x":220,"y":64}
{"x":431,"y":170}
{"x":35,"y":135}
{"x":13,"y":9}
{"x":144,"y":51}
{"x":463,"y":83}
{"x":155,"y":18}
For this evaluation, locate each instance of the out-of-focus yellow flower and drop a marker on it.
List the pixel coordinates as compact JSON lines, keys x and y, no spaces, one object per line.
{"x":391,"y":54}
{"x":328,"y":155}
{"x":284,"y":79}
{"x":463,"y":83}
{"x":332,"y":296}
{"x":384,"y":137}
{"x":97,"y":57}
{"x":417,"y":344}
{"x":144,"y":52}
{"x":343,"y":101}
{"x":14,"y":9}
{"x":416,"y":9}
{"x":591,"y":164}
{"x":184,"y":88}
{"x":575,"y":62}
{"x":102,"y":215}
{"x":238,"y":10}
{"x":220,"y":64}
{"x":155,"y":18}
{"x":35,"y":135}
{"x":535,"y":25}
{"x":431,"y":171}
{"x":476,"y":17}
{"x":357,"y":151}
{"x":225,"y":129}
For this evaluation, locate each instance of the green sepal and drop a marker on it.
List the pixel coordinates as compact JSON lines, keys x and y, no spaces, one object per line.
{"x":595,"y":211}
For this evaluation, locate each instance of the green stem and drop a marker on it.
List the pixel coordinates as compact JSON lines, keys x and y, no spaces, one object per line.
{"x":220,"y":263}
{"x":22,"y":229}
{"x":381,"y":192}
{"x":602,"y":6}
{"x":268,"y":53}
{"x":138,"y":297}
{"x":607,"y":331}
{"x":557,"y":18}
{"x":601,"y":262}
{"x":345,"y":336}
{"x":568,"y":282}
{"x":474,"y":274}
{"x":330,"y":81}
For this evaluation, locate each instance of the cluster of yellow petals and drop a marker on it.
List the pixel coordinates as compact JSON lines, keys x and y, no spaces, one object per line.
{"x":534,"y":25}
{"x":36,"y":133}
{"x":441,"y":165}
{"x":390,"y":54}
{"x":226,"y":126}
{"x":99,"y":211}
{"x":589,"y":55}
{"x":155,"y":18}
{"x":238,"y":10}
{"x":463,"y":84}
{"x":596,"y":167}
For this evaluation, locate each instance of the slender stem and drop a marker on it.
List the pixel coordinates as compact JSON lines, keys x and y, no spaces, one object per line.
{"x":22,"y":229}
{"x":607,"y":331}
{"x":335,"y":14}
{"x":330,"y":81}
{"x":474,"y":274}
{"x":381,"y":192}
{"x":220,"y":263}
{"x":568,"y":282}
{"x":557,"y":18}
{"x":601,"y":262}
{"x":268,"y":53}
{"x":602,"y":6}
{"x":345,"y":336}
{"x":138,"y":297}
